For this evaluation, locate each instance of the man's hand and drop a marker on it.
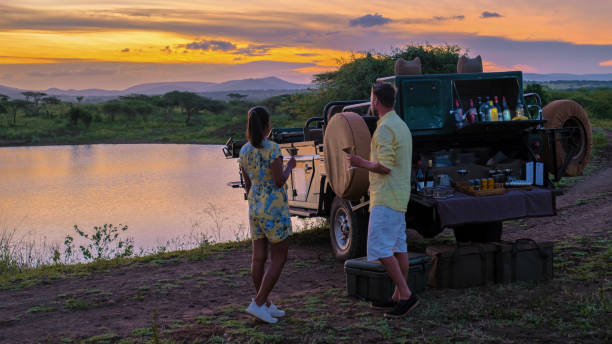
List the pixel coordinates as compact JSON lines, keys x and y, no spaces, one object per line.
{"x":356,"y":160}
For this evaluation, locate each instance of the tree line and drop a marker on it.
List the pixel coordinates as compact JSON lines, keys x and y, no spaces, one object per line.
{"x":351,"y":80}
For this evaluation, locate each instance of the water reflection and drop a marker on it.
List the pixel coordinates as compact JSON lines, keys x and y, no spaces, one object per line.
{"x":160,"y":191}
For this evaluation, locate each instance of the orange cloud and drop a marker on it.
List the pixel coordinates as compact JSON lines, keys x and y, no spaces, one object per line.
{"x":490,"y":66}
{"x":606,"y":63}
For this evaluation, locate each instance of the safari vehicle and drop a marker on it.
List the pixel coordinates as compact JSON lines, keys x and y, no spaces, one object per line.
{"x":557,"y":137}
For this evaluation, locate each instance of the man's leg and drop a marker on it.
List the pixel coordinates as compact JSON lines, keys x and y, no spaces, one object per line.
{"x":404,"y":263}
{"x":396,"y":273}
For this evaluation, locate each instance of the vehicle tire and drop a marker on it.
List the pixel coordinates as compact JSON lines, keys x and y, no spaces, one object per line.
{"x":348,"y":230}
{"x":479,"y":232}
{"x":566,"y":114}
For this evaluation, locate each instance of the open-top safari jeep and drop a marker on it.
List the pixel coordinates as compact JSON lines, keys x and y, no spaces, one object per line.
{"x":554,"y":141}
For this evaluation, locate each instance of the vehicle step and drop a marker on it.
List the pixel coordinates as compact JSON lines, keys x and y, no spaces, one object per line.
{"x":302,"y":212}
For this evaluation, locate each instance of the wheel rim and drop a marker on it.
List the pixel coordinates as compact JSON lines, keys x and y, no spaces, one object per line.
{"x":342,"y":229}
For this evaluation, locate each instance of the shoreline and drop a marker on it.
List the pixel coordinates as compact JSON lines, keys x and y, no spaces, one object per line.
{"x":104,"y":142}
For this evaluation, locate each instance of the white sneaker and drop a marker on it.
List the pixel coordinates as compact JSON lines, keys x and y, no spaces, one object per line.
{"x":275,"y":312}
{"x":261,"y":312}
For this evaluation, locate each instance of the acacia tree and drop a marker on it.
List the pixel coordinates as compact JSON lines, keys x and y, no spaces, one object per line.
{"x":191,"y":103}
{"x":48,"y":101}
{"x":15,"y":105}
{"x":35,"y":98}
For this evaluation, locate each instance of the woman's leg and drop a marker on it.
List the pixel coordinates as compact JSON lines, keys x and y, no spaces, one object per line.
{"x":258,"y":261}
{"x":278,"y":259}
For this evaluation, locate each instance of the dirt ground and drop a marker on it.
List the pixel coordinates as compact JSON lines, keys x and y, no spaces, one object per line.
{"x":183,"y":300}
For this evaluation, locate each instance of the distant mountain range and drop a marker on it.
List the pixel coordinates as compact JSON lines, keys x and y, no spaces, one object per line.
{"x":567,"y":77}
{"x":255,"y":89}
{"x":271,"y":85}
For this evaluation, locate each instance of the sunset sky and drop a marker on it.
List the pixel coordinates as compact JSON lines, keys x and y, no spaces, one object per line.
{"x":116,"y":44}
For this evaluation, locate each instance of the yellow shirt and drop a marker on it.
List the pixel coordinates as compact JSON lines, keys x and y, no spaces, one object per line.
{"x":391,"y":147}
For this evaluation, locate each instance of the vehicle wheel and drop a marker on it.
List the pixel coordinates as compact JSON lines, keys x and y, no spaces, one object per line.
{"x":566,"y":114}
{"x":348,"y":230}
{"x":479,"y":232}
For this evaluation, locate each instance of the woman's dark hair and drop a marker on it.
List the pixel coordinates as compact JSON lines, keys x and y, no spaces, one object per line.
{"x":258,"y":120}
{"x":385,"y":93}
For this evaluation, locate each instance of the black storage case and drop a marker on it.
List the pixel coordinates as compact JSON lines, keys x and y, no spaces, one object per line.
{"x":368,"y":280}
{"x":463,"y":266}
{"x":524,"y":260}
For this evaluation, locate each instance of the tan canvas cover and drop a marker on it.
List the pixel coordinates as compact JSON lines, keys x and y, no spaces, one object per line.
{"x":469,"y":65}
{"x":346,"y":132}
{"x":405,"y":67}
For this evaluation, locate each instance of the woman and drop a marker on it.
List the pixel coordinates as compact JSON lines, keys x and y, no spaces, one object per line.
{"x":261,"y":165}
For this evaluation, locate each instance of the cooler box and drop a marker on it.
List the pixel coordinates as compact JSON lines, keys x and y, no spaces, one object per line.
{"x":368,"y":279}
{"x":524,"y":260}
{"x":463,"y":266}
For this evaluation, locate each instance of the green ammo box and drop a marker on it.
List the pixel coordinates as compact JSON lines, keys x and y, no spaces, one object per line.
{"x":524,"y":260}
{"x":461,"y":266}
{"x":368,"y":279}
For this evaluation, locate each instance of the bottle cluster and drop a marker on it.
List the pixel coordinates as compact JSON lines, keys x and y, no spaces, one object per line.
{"x":423,"y":179}
{"x":487,"y":110}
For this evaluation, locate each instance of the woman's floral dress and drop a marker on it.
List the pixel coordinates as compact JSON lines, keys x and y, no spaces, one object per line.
{"x":268,"y":208}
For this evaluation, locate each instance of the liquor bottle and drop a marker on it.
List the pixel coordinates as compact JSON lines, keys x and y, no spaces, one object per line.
{"x":506,"y":112}
{"x":459,"y":116}
{"x":499,"y":109}
{"x":429,"y":178}
{"x":483,"y":110}
{"x":520,"y":111}
{"x":472,"y":113}
{"x":420,"y":178}
{"x":493,"y":114}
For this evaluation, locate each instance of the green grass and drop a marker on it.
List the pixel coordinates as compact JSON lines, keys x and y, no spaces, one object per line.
{"x":29,"y":276}
{"x":601,"y":123}
{"x":573,"y":307}
{"x":40,"y":309}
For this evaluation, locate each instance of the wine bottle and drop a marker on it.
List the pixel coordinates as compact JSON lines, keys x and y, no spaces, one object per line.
{"x":420,"y":178}
{"x":483,"y":110}
{"x":499,"y":109}
{"x":459,"y":116}
{"x":506,"y":112}
{"x":429,"y":178}
{"x":520,"y":111}
{"x":472,"y":113}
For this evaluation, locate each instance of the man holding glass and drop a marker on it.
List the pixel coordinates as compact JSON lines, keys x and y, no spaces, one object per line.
{"x":390,"y":172}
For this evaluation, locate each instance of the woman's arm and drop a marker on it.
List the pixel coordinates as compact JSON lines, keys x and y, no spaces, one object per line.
{"x":280,"y":176}
{"x":246,"y":179}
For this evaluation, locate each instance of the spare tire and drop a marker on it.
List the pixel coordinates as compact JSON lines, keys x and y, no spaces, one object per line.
{"x":334,"y":109}
{"x":568,"y":114}
{"x":346,"y":131}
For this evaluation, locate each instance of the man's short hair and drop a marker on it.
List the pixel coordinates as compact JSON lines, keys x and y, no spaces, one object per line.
{"x":385,"y":93}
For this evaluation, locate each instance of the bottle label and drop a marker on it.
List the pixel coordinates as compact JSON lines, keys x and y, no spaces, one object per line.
{"x":429,"y":184}
{"x":420,"y":186}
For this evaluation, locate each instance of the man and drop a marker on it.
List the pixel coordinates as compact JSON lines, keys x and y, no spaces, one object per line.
{"x":389,"y":167}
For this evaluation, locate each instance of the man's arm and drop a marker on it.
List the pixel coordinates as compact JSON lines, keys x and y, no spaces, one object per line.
{"x":376,"y":167}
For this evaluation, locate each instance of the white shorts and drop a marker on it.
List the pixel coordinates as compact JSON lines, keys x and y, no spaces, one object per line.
{"x":386,"y":232}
